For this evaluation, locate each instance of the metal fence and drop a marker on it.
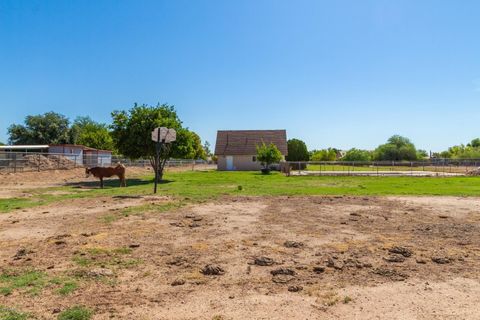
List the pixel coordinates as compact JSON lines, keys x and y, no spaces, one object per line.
{"x":12,"y":162}
{"x":432,"y":167}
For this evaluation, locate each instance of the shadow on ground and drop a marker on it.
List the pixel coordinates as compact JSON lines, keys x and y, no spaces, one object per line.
{"x":113,"y":183}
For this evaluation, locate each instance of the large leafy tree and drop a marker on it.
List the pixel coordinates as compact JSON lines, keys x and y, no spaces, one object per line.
{"x":397,"y":148}
{"x":47,"y":128}
{"x":357,"y":155}
{"x":297,"y":150}
{"x":92,"y":134}
{"x":268,"y":154}
{"x":131,"y":132}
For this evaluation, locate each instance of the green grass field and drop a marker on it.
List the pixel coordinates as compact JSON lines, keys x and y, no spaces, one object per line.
{"x":203,"y":185}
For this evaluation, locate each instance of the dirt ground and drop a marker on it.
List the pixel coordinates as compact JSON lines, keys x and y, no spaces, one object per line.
{"x":312,"y":257}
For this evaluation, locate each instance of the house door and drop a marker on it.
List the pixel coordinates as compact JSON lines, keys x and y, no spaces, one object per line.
{"x":229,"y":162}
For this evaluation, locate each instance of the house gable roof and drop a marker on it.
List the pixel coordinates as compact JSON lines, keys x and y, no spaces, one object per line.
{"x":245,"y":142}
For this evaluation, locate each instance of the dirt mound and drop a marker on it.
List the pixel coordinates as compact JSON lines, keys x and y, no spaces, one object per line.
{"x":41,"y":162}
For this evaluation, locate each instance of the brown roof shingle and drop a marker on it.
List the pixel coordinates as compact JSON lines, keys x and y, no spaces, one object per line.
{"x":244,"y":142}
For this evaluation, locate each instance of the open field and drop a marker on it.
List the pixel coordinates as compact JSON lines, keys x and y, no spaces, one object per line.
{"x":277,"y":247}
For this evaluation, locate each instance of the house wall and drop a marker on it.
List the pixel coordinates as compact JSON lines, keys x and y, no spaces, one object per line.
{"x":70,"y":152}
{"x":99,"y":158}
{"x":240,"y":163}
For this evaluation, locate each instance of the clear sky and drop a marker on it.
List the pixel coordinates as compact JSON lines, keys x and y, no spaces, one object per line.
{"x":333,"y":73}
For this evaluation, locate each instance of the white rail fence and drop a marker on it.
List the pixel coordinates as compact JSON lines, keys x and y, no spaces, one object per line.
{"x":13,"y":162}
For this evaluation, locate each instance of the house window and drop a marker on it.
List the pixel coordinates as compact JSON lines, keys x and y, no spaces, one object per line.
{"x":254,"y":158}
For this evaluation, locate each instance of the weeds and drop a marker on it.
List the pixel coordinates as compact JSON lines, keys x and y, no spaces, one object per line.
{"x":76,"y":313}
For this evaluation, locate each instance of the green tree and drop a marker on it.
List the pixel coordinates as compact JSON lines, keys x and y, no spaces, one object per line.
{"x":47,"y":128}
{"x":397,"y":148}
{"x":297,"y":150}
{"x":92,"y":134}
{"x":475,"y":143}
{"x":268,"y":154}
{"x":131,"y":132}
{"x":357,"y":155}
{"x":2,"y":144}
{"x":206,"y":148}
{"x":422,"y":154}
{"x":329,"y":154}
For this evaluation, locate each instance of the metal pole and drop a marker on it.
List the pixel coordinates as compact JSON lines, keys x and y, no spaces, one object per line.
{"x":157,"y":160}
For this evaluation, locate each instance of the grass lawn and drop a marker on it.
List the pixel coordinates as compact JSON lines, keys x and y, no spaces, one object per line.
{"x":198,"y":186}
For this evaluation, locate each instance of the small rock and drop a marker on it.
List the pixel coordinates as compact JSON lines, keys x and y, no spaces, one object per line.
{"x":197,"y":219}
{"x":263,"y":261}
{"x":21,"y":253}
{"x":295,"y":288}
{"x":50,"y":267}
{"x":178,"y":282}
{"x":441,"y":260}
{"x":401,"y":250}
{"x":331,"y":263}
{"x":134,"y":245}
{"x":212,"y":270}
{"x":177,"y":224}
{"x":355,"y":214}
{"x":286,"y":271}
{"x":194,"y":225}
{"x":56,"y":310}
{"x":443,"y":216}
{"x":231,"y":296}
{"x":421,"y":261}
{"x":293,"y":244}
{"x":394,"y":258}
{"x":190,"y":216}
{"x":319,"y":269}
{"x":392,"y":274}
{"x":60,"y":242}
{"x":88,"y":234}
{"x":282,"y":278}
{"x":15,"y":221}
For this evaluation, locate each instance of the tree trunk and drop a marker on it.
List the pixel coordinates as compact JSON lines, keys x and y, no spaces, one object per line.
{"x":161,"y":166}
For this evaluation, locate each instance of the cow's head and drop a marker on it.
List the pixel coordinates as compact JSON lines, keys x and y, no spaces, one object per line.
{"x":87,"y":172}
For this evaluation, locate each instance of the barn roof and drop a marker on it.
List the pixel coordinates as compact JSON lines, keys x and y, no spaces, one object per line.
{"x":244,"y":142}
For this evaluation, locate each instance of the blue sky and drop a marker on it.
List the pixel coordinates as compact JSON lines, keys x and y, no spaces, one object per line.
{"x":333,"y":73}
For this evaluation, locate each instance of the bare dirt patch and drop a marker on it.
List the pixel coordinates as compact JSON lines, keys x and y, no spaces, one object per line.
{"x":252,"y":258}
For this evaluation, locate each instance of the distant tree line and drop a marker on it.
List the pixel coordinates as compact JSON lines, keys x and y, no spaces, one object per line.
{"x":129,"y":134}
{"x":397,"y":148}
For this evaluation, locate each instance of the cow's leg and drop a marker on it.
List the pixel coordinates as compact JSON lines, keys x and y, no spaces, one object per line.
{"x":101,"y":182}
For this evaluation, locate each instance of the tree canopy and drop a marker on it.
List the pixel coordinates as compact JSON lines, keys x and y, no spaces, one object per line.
{"x":470,"y":151}
{"x":131,"y":132}
{"x":357,"y":155}
{"x":297,"y":150}
{"x":92,"y":134}
{"x":268,"y":154}
{"x":397,"y":148}
{"x":47,"y":128}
